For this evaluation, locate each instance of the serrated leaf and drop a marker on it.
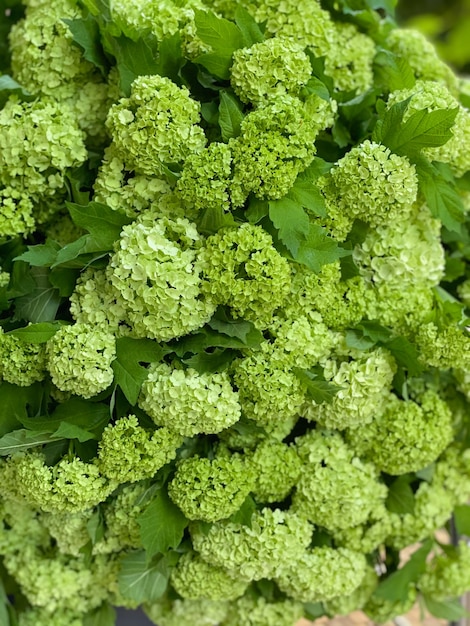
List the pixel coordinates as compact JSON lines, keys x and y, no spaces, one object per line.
{"x":142,"y":582}
{"x":319,"y":249}
{"x":23,"y":439}
{"x":90,"y":416}
{"x":207,"y":338}
{"x":291,"y":221}
{"x":241,"y":329}
{"x":223,"y":36}
{"x":213,"y":219}
{"x":161,"y":525}
{"x":405,"y":354}
{"x":128,"y":371}
{"x":451,"y":610}
{"x":37,"y":333}
{"x":71,"y":431}
{"x":105,"y":615}
{"x":306,"y":193}
{"x":249,"y":28}
{"x":400,"y":498}
{"x":230,"y":115}
{"x":396,"y":587}
{"x":80,"y":253}
{"x":134,"y":58}
{"x":9,"y":87}
{"x":41,"y":304}
{"x":245,"y":512}
{"x":216,"y":360}
{"x":320,"y":391}
{"x":393,"y":72}
{"x":170,"y":58}
{"x":462,"y":519}
{"x":257,"y":210}
{"x":440,"y":193}
{"x":86,"y":34}
{"x":103,"y":223}
{"x":42,"y":255}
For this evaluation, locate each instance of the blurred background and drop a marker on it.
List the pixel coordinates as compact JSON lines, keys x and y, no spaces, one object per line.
{"x":445,"y":22}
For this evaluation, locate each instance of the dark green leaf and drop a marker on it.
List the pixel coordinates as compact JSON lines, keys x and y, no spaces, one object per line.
{"x":313,"y":610}
{"x":320,"y":391}
{"x":103,"y":223}
{"x":393,"y":72}
{"x":64,"y":279}
{"x":405,"y":354}
{"x":306,"y":193}
{"x":162,"y":525}
{"x":37,"y":333}
{"x":244,"y":513}
{"x":41,"y":304}
{"x":90,"y":416}
{"x":86,"y":34}
{"x":23,"y":439}
{"x":105,"y":615}
{"x":257,"y":210}
{"x":291,"y":222}
{"x":128,"y":373}
{"x":95,"y":527}
{"x":250,"y":30}
{"x":210,"y":362}
{"x":241,"y":329}
{"x":217,"y":65}
{"x":71,"y":431}
{"x":213,"y":219}
{"x":134,"y":58}
{"x":207,"y":338}
{"x":42,"y":255}
{"x":400,"y":497}
{"x":440,"y":193}
{"x":9,"y":87}
{"x":230,"y":115}
{"x":4,"y":603}
{"x":170,"y":57}
{"x":396,"y":587}
{"x":16,"y":402}
{"x":451,"y":610}
{"x":223,"y":36}
{"x":142,"y":582}
{"x":80,"y":253}
{"x":317,"y":87}
{"x":318,"y":70}
{"x":462,"y":519}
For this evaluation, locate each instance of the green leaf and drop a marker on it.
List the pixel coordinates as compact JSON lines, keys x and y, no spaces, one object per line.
{"x":86,"y":34}
{"x":291,"y":222}
{"x":257,"y":210}
{"x":95,"y":527}
{"x":393,"y":72}
{"x":71,"y":431}
{"x":134,"y":58}
{"x":230,"y":115}
{"x":422,"y":129}
{"x":306,"y":193}
{"x":223,"y":36}
{"x":320,"y":391}
{"x":41,"y":304}
{"x":64,"y":280}
{"x":396,"y":587}
{"x":317,"y":87}
{"x":4,"y":613}
{"x":162,"y":525}
{"x":243,"y":330}
{"x":405,"y":354}
{"x":142,"y":582}
{"x":451,"y":610}
{"x":313,"y":610}
{"x":170,"y":57}
{"x":80,"y":253}
{"x":42,"y":255}
{"x":244,"y":513}
{"x":103,"y":223}
{"x":250,"y":30}
{"x":128,"y":373}
{"x":319,"y":249}
{"x":213,"y":219}
{"x":9,"y":87}
{"x":15,"y":402}
{"x":400,"y":497}
{"x":105,"y":615}
{"x":37,"y":333}
{"x":216,"y":360}
{"x":462,"y":519}
{"x":90,"y":416}
{"x":23,"y":439}
{"x":440,"y":193}
{"x":207,"y":338}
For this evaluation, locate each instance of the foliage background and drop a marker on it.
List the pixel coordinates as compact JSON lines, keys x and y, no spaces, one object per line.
{"x":446,"y":23}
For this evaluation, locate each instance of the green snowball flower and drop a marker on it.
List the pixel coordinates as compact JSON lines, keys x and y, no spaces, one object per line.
{"x":79,"y":359}
{"x":442,"y":347}
{"x":243,"y":270}
{"x":16,"y":212}
{"x":250,"y":611}
{"x":273,"y":541}
{"x":364,"y":385}
{"x":343,"y":605}
{"x":406,"y":436}
{"x":211,"y":490}
{"x":277,"y":467}
{"x":269,"y":69}
{"x":187,"y":612}
{"x":380,"y":610}
{"x":336,"y":489}
{"x":194,"y":579}
{"x":156,"y":273}
{"x":129,"y":453}
{"x":187,"y":402}
{"x":21,"y":363}
{"x":156,"y":125}
{"x":323,"y":574}
{"x":372,"y":184}
{"x":447,"y":576}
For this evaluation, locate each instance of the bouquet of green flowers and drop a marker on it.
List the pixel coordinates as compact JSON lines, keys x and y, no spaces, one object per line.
{"x":234,"y":282}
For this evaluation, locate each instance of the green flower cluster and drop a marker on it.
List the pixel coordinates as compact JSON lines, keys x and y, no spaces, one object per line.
{"x":234,"y":303}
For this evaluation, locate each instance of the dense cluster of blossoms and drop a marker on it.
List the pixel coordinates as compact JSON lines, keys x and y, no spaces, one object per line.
{"x":234,"y":281}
